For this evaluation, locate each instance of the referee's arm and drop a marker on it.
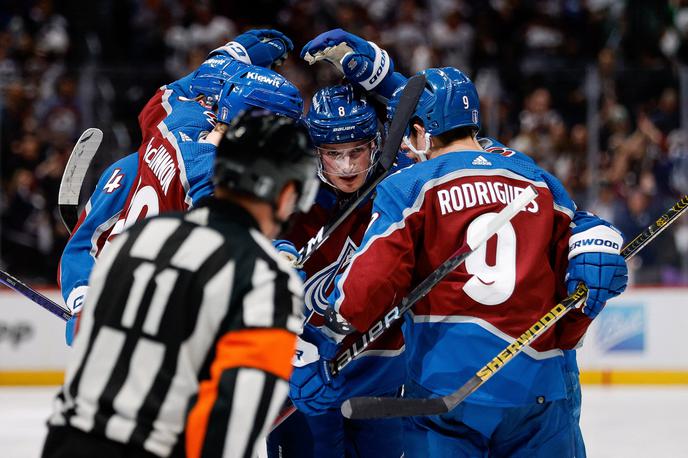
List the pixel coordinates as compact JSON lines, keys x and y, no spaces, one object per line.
{"x":248,"y":385}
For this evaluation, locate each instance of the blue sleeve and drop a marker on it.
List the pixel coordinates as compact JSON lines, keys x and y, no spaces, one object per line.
{"x":198,"y":161}
{"x":181,"y":87}
{"x":100,"y":214}
{"x":388,"y":85}
{"x":561,"y":196}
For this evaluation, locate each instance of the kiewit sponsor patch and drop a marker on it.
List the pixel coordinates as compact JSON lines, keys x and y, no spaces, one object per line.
{"x":263,"y":79}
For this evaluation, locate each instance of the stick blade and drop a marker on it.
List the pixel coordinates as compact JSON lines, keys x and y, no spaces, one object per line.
{"x":376,"y":407}
{"x":74,"y":174}
{"x":77,"y":165}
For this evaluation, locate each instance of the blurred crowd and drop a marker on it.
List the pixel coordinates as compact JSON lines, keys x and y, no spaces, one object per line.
{"x":591,"y":89}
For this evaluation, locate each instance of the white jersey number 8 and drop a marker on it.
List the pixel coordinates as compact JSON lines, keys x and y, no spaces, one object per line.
{"x":491,"y":284}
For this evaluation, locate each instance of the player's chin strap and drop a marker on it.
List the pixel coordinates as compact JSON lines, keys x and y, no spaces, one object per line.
{"x":422,"y":154}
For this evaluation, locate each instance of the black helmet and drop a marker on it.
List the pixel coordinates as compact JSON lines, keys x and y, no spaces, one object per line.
{"x":262,"y":152}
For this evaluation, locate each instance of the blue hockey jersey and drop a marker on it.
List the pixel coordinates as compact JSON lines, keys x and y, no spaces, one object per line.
{"x":421,"y":215}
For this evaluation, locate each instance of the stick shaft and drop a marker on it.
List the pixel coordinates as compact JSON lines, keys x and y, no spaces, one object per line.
{"x":407,"y":106}
{"x":377,"y":407}
{"x":35,"y":296}
{"x":570,"y":302}
{"x":378,"y":328}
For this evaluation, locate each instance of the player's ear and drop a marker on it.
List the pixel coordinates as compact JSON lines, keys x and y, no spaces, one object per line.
{"x":418,"y":128}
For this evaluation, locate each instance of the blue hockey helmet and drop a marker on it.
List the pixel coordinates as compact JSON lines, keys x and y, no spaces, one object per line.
{"x":449,"y":101}
{"x":337,"y":115}
{"x":211,"y":75}
{"x":262,"y":88}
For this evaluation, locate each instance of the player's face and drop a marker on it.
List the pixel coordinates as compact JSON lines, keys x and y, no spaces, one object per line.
{"x":346,"y":165}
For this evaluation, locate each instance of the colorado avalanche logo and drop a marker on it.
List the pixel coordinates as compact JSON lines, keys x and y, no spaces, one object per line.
{"x":320,"y":285}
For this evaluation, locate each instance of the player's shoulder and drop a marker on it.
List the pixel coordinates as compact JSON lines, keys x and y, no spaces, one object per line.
{"x":187,"y":115}
{"x":127,"y":164}
{"x":118,"y":177}
{"x":494,"y":146}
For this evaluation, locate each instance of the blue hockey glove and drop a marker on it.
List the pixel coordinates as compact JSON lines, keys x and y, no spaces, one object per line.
{"x":362,"y":62}
{"x":312,"y":388}
{"x":606,"y":276}
{"x":289,"y":251}
{"x":261,"y":47}
{"x":594,"y":259}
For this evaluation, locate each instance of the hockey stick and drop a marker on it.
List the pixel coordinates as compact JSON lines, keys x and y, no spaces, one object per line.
{"x":376,"y":407}
{"x":22,"y":288}
{"x":402,"y":116}
{"x":407,"y":106}
{"x":424,"y":287}
{"x":74,"y":174}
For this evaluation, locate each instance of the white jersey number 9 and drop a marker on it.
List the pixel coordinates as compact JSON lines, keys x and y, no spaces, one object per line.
{"x":491,"y":284}
{"x":465,"y":101}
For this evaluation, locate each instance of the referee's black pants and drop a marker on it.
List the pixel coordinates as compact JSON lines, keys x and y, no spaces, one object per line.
{"x":68,"y":442}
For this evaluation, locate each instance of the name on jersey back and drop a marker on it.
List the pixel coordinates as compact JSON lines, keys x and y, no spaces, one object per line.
{"x":161,"y":164}
{"x":469,"y":195}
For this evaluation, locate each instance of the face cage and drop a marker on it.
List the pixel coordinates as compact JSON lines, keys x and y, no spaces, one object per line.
{"x":373,"y":161}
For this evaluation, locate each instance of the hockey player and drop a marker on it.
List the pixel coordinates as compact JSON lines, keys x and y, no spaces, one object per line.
{"x":194,"y":310}
{"x":420,"y":216}
{"x":177,"y":157}
{"x":258,"y":47}
{"x":365,"y":64}
{"x":344,"y":128}
{"x":262,"y":47}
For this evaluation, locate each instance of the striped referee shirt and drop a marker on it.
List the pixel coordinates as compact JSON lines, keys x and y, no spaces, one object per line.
{"x":186,"y":337}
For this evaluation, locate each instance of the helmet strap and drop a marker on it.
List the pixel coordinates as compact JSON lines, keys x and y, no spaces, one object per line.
{"x":422,"y":154}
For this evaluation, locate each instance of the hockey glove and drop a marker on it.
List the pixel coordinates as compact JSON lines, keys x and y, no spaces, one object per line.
{"x":290,"y":253}
{"x":75,"y":302}
{"x":594,"y":259}
{"x":312,"y":388}
{"x":261,"y":47}
{"x":362,"y":62}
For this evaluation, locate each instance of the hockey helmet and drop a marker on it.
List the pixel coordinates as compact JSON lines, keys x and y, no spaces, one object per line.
{"x":339,"y":115}
{"x":262,"y":152}
{"x":211,"y":75}
{"x":261,"y":88}
{"x":449,"y":101}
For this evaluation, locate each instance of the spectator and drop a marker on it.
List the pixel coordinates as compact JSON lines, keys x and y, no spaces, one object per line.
{"x":530,"y":58}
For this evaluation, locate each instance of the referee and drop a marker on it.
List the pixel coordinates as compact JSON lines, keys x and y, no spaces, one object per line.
{"x":187,"y":335}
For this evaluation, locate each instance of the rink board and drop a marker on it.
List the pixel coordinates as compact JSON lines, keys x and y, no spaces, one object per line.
{"x":638,"y":339}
